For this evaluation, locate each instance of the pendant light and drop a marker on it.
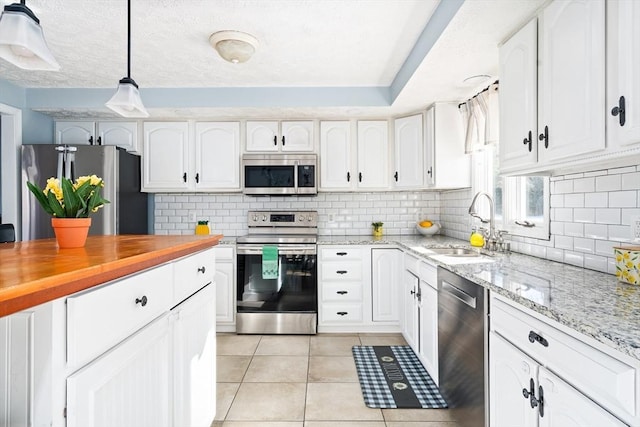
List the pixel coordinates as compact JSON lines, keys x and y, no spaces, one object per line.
{"x":22,"y":41}
{"x":127,"y":101}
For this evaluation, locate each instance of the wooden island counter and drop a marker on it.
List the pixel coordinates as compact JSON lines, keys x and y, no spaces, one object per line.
{"x":35,"y":272}
{"x":121,"y":332}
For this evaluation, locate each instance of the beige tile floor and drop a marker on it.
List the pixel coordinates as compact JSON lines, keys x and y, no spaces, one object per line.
{"x":303,"y":381}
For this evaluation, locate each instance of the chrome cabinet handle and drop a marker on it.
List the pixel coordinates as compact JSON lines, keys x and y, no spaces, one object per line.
{"x":142,"y":301}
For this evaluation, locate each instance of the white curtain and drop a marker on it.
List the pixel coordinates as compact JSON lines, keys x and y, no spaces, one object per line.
{"x":480,"y":118}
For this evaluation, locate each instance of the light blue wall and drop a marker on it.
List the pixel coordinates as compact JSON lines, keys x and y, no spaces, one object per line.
{"x":36,"y":127}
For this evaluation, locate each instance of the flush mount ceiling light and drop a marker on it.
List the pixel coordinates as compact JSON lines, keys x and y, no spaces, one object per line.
{"x":476,"y":80}
{"x":127,"y":101}
{"x":22,"y":41}
{"x":234,"y":46}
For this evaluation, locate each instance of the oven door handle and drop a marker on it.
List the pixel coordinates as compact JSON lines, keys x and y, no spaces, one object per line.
{"x":288,"y":250}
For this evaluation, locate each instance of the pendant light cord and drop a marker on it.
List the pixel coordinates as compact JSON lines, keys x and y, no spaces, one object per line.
{"x":129,"y":38}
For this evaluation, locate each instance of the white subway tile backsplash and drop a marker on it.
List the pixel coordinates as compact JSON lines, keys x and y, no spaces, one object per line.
{"x":623,"y":199}
{"x":564,"y":242}
{"x":574,"y":258}
{"x":595,"y":262}
{"x":608,"y":183}
{"x":605,"y":247}
{"x":631,"y":181}
{"x":555,"y":254}
{"x":584,"y":245}
{"x":562,"y":214}
{"x":587,"y":215}
{"x":595,"y":231}
{"x":562,"y":187}
{"x":608,"y":216}
{"x":584,"y":185}
{"x":574,"y":200}
{"x":621,"y":233}
{"x":556,"y":201}
{"x":596,"y":200}
{"x":573,"y":229}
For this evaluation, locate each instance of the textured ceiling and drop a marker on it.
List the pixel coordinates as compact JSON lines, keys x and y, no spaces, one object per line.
{"x":303,"y":43}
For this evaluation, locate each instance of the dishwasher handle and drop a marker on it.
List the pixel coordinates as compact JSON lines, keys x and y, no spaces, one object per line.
{"x":459,"y":294}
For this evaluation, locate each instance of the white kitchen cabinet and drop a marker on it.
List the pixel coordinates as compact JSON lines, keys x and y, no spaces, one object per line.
{"x":408,"y":148}
{"x":386,"y":284}
{"x":571,"y":79}
{"x":518,"y":99}
{"x":373,"y":154}
{"x":428,"y":330}
{"x":410,"y":307}
{"x":172,"y":161}
{"x":623,"y":69}
{"x":120,"y":134}
{"x":217,"y":156}
{"x":129,"y":385}
{"x":336,"y":171}
{"x":286,"y":136}
{"x":447,"y":165}
{"x":194,"y":353}
{"x":525,"y":348}
{"x":570,"y":98}
{"x":225,"y":280}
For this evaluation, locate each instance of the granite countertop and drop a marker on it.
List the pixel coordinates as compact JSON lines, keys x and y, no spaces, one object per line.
{"x":593,"y":303}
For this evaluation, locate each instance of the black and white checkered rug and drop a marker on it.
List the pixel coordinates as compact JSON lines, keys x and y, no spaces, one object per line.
{"x":393,"y":377}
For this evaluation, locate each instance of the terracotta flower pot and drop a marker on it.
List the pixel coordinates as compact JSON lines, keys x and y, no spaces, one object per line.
{"x":71,"y":232}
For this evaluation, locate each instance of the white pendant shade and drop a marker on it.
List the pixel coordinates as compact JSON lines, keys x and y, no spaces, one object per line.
{"x":22,"y":40}
{"x":127,"y":101}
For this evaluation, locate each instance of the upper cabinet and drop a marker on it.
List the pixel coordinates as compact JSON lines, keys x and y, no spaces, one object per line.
{"x":274,"y":136}
{"x":120,"y":134}
{"x":348,"y":164}
{"x":408,"y":149}
{"x":623,"y":69}
{"x":446,"y":164}
{"x":557,"y":116}
{"x":208,"y":162}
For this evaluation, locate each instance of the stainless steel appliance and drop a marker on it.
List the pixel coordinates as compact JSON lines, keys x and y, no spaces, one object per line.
{"x":287,"y":304}
{"x":125,"y":214}
{"x":280,"y":174}
{"x":463,"y":347}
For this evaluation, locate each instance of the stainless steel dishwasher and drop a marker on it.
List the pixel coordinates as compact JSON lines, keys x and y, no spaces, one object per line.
{"x":462,"y":347}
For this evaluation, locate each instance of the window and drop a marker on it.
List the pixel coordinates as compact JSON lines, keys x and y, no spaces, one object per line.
{"x":521,"y":204}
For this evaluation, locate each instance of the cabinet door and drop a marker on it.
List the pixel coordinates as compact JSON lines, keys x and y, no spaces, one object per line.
{"x":409,"y":163}
{"x":623,"y":62}
{"x":262,"y":136}
{"x":217,"y":156}
{"x":194,"y":346}
{"x":166,"y":157}
{"x":75,"y":133}
{"x":120,"y":134}
{"x":127,"y":386}
{"x":373,"y":145}
{"x":571,"y":79}
{"x":297,"y":136}
{"x":335,"y":155}
{"x":410,"y":310}
{"x":510,"y":372}
{"x":564,"y":406}
{"x":225,"y":298}
{"x":448,"y":166}
{"x":518,"y":99}
{"x":386,"y":285}
{"x":429,"y":146}
{"x":428,"y":349}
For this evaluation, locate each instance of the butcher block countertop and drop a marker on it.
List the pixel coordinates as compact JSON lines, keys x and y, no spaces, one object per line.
{"x":36,"y":271}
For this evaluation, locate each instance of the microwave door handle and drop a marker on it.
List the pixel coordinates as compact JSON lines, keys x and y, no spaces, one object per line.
{"x":295,"y":176}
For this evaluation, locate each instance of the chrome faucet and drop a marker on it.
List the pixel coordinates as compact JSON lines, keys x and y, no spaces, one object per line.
{"x":492,"y":238}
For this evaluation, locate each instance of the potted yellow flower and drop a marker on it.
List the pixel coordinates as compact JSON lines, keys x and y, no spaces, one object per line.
{"x":70,"y":204}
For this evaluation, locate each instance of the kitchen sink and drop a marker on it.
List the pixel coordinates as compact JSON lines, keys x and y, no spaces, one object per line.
{"x":456,"y":252}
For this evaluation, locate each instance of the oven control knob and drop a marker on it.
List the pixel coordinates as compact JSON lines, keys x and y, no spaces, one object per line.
{"x":310,"y":218}
{"x":301,"y":218}
{"x":255,"y":218}
{"x":264,"y":218}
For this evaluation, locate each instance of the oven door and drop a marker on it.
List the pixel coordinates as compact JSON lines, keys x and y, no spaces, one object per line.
{"x":293,"y":291}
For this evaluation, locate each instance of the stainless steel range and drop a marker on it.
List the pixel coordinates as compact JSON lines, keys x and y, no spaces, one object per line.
{"x":283,"y":300}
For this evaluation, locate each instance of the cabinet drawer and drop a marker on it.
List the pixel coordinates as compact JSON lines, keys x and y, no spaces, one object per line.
{"x":101,"y":318}
{"x":193,"y":273}
{"x":348,"y":271}
{"x":584,"y":367}
{"x":339,"y":291}
{"x":428,"y":273}
{"x":341,"y":313}
{"x":223,"y":253}
{"x":341,"y":253}
{"x":411,"y":264}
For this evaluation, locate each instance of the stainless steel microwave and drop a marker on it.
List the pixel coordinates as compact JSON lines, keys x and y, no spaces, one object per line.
{"x":280,"y":174}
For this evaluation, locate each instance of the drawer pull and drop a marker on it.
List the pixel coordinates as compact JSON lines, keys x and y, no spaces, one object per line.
{"x":341,"y":253}
{"x":201,"y":269}
{"x":341,"y":271}
{"x":533,"y":337}
{"x":341,"y":292}
{"x":342,"y":313}
{"x":142,"y":301}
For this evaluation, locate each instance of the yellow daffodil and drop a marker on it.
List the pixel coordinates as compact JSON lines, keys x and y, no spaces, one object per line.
{"x":53,"y":184}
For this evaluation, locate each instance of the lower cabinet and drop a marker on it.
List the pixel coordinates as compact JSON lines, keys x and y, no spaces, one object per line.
{"x":225,"y":280}
{"x":386,"y":283}
{"x":540,"y":375}
{"x":127,"y":386}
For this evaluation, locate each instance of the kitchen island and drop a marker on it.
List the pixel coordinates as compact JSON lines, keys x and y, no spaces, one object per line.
{"x":108,"y":334}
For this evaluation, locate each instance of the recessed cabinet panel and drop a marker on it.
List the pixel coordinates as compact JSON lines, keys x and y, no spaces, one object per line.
{"x":120,"y":134}
{"x":297,"y":136}
{"x":75,"y":133}
{"x":166,"y":156}
{"x":217,"y":149}
{"x":262,"y":136}
{"x":409,"y":159}
{"x":335,"y":155}
{"x":373,"y":147}
{"x":386,"y":284}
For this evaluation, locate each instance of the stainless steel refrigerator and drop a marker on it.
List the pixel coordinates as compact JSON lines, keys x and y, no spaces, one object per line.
{"x":125,"y":214}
